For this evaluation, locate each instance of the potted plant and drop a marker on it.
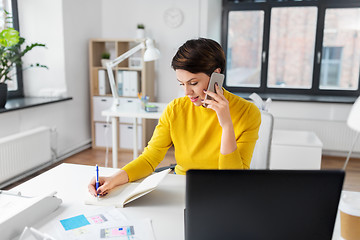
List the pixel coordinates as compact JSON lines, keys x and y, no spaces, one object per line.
{"x":105,"y":58}
{"x":140,"y":32}
{"x":11,"y":52}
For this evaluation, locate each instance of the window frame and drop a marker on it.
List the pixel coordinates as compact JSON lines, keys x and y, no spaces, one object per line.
{"x":266,"y":6}
{"x":19,"y":93}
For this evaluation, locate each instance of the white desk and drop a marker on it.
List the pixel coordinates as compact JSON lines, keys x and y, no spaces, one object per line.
{"x":165,"y":205}
{"x":132,"y":110}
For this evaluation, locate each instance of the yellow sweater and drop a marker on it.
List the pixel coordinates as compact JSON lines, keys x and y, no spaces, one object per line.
{"x":195,"y":133}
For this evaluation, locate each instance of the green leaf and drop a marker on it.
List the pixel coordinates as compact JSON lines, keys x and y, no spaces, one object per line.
{"x":9,"y":37}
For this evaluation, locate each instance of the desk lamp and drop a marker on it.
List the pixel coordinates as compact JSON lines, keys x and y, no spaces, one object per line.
{"x":353,"y":122}
{"x":151,"y":54}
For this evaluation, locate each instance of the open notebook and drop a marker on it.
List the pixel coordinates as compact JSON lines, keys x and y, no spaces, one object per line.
{"x":126,"y":193}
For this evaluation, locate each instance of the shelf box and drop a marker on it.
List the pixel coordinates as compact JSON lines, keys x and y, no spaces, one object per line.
{"x":100,"y":104}
{"x":126,"y":119}
{"x":103,"y":136}
{"x":126,"y":137}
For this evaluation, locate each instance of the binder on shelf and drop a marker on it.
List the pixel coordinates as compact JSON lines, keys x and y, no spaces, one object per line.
{"x":120,"y":82}
{"x":134,"y":84}
{"x":104,"y":85}
{"x":126,"y":84}
{"x":131,"y":83}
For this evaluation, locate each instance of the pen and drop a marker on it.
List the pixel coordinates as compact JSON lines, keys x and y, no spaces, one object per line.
{"x":97,"y":180}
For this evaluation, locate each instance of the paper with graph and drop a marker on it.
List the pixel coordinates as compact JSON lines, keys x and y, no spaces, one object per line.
{"x":100,"y":223}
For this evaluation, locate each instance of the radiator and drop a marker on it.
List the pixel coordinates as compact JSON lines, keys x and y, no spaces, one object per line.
{"x":23,"y":152}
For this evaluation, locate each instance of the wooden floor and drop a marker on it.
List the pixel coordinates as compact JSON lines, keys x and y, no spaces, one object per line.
{"x":93,"y":157}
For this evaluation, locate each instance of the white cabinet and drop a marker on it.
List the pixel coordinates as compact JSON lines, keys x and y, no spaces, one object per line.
{"x":127,"y":101}
{"x":126,"y":136}
{"x":103,"y":135}
{"x":295,"y":150}
{"x":100,"y":104}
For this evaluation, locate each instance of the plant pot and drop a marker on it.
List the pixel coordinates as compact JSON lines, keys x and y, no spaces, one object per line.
{"x":104,"y":62}
{"x":140,"y":33}
{"x":3,"y":94}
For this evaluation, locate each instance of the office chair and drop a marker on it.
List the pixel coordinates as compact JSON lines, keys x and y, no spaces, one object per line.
{"x":261,"y":155}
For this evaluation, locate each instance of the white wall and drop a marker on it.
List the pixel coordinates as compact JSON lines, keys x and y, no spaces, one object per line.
{"x":65,"y":26}
{"x":120,"y":19}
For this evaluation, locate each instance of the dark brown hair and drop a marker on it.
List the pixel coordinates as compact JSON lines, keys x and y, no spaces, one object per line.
{"x":199,"y":55}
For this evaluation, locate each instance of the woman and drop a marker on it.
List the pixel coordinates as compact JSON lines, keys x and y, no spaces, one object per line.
{"x":220,"y":136}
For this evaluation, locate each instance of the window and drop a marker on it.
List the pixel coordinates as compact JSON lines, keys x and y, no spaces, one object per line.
{"x":309,"y":47}
{"x":15,"y":88}
{"x":330,"y":67}
{"x":341,"y":49}
{"x":291,"y":47}
{"x":245,"y":40}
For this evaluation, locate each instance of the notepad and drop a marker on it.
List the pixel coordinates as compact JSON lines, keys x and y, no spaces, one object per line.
{"x":126,"y":193}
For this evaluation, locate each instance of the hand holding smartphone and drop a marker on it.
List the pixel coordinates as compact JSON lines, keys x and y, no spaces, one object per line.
{"x":214,"y":78}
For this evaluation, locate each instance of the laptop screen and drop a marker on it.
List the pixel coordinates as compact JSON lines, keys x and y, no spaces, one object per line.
{"x":261,"y":204}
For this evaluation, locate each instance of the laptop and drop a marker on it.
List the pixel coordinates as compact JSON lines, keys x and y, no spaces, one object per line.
{"x":262,"y":204}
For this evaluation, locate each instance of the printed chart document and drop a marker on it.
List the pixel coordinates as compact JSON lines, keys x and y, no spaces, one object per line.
{"x":126,"y":193}
{"x":96,"y":223}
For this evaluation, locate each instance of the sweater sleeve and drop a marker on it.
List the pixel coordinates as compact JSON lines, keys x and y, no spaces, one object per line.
{"x":154,"y":152}
{"x":241,"y":157}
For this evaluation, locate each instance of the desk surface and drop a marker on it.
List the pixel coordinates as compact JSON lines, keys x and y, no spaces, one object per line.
{"x":134,"y":110}
{"x":165,"y":205}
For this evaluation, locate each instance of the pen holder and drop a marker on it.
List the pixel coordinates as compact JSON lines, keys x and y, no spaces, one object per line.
{"x":144,"y":102}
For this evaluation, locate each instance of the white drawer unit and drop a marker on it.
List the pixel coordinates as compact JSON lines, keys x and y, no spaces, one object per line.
{"x":100,"y":104}
{"x":127,"y":101}
{"x":103,"y":135}
{"x":103,"y":103}
{"x":126,"y":137}
{"x":295,"y":150}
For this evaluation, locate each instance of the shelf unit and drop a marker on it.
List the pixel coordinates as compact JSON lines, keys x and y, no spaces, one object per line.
{"x":99,"y":102}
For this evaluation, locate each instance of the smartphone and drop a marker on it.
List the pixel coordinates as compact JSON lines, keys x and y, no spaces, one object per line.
{"x":214,"y":78}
